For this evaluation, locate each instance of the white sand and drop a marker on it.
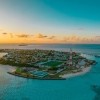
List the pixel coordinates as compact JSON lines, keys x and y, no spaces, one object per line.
{"x":2,"y":54}
{"x":84,"y":70}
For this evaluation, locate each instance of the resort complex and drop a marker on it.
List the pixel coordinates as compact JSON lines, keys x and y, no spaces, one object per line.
{"x":44,"y":64}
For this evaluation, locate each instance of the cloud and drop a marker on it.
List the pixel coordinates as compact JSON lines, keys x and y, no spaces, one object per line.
{"x":45,"y":36}
{"x":65,"y":39}
{"x":19,"y":35}
{"x":81,"y":29}
{"x":52,"y":37}
{"x":1,"y":29}
{"x":4,"y":33}
{"x":79,"y":39}
{"x":97,"y":36}
{"x":23,"y":36}
{"x":11,"y":35}
{"x":41,"y":36}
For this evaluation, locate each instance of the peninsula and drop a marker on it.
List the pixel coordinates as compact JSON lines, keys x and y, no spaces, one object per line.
{"x":45,"y":64}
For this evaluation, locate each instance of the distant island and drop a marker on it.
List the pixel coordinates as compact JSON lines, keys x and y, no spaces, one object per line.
{"x":45,"y":64}
{"x":23,"y":44}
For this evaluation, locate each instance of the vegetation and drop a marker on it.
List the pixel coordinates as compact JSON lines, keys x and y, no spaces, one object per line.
{"x":53,"y":63}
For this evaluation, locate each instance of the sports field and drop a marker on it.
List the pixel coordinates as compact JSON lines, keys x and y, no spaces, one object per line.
{"x":53,"y":63}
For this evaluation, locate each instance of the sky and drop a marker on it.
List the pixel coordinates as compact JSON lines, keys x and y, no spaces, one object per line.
{"x":50,"y":21}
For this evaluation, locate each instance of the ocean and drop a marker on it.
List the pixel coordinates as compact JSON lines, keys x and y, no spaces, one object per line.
{"x":83,"y":48}
{"x":75,"y":88}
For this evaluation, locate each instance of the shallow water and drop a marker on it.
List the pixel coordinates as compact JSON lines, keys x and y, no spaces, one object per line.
{"x":76,"y":88}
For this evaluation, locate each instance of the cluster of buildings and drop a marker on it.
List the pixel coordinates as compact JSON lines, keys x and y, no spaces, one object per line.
{"x":34,"y":56}
{"x":45,"y":62}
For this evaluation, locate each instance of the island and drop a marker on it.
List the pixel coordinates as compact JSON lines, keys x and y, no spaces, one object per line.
{"x":45,"y":64}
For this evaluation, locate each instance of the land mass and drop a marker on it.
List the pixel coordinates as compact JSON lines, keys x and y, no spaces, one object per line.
{"x":45,"y":64}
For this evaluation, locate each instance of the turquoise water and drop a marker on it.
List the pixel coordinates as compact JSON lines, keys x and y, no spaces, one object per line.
{"x":76,"y":88}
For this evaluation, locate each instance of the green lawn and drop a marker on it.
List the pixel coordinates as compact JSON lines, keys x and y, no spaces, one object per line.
{"x":53,"y":63}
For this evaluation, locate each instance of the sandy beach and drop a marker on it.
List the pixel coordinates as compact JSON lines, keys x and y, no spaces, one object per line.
{"x":85,"y":70}
{"x":2,"y":54}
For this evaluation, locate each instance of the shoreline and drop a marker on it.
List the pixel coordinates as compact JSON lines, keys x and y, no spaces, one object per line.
{"x":63,"y":77}
{"x":11,"y":73}
{"x":70,"y":75}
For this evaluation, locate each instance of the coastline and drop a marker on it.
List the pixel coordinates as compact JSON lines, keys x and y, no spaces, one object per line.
{"x":70,"y":75}
{"x":11,"y":73}
{"x":61,"y":76}
{"x":2,"y":54}
{"x":8,"y":67}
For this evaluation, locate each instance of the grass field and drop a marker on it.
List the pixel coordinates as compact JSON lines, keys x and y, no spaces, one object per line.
{"x":53,"y":63}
